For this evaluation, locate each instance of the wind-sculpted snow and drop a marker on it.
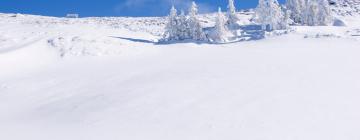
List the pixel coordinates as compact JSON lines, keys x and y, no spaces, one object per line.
{"x":78,"y":37}
{"x":347,"y":7}
{"x":109,"y":36}
{"x":301,"y":83}
{"x":78,"y":46}
{"x":152,"y":25}
{"x":354,"y":32}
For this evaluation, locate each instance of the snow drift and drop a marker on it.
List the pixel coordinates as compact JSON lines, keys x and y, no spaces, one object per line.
{"x":107,"y":78}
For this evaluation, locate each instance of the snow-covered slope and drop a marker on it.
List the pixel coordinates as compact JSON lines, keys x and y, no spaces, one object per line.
{"x":346,"y":7}
{"x":106,"y":79}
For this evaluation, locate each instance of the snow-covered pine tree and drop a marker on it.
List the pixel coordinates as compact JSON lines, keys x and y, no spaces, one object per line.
{"x":232,"y":17}
{"x":287,"y":21}
{"x":277,"y":15}
{"x":196,"y":30}
{"x":296,"y":7}
{"x":220,"y":33}
{"x":317,"y":13}
{"x":311,"y":13}
{"x":231,"y":7}
{"x":193,"y":10}
{"x":269,"y":13}
{"x":171,"y":29}
{"x":183,"y":27}
{"x":324,"y":16}
{"x":261,"y":13}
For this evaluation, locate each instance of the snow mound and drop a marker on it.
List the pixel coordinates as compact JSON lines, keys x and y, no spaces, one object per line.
{"x":355,"y":33}
{"x":282,"y":87}
{"x":322,"y":35}
{"x":81,"y":46}
{"x":5,"y":40}
{"x":227,"y":37}
{"x":339,"y":22}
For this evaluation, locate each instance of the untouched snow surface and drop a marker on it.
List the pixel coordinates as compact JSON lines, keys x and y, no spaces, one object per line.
{"x":105,"y":79}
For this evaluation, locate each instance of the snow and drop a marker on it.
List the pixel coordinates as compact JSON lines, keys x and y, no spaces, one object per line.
{"x":338,"y":22}
{"x":107,"y":78}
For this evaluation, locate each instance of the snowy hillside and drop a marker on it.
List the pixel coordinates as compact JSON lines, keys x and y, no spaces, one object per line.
{"x":346,"y":7}
{"x":109,"y":79}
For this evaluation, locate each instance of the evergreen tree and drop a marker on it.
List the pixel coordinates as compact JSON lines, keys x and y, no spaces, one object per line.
{"x":324,"y":15}
{"x":261,"y":14}
{"x":276,"y":14}
{"x":312,"y":10}
{"x":220,"y":33}
{"x":287,"y":21}
{"x":193,"y":11}
{"x":296,"y":7}
{"x":171,"y":27}
{"x":173,"y":12}
{"x":183,"y":27}
{"x":196,"y":31}
{"x":269,"y":13}
{"x":318,"y":13}
{"x":231,"y":7}
{"x":233,"y":18}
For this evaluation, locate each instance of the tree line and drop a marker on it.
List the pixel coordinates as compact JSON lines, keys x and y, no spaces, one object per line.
{"x":268,"y":14}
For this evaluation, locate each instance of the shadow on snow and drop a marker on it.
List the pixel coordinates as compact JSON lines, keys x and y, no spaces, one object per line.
{"x":242,"y":33}
{"x":134,"y":39}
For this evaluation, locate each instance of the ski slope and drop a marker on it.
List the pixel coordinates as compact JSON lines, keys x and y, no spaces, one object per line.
{"x":107,"y":79}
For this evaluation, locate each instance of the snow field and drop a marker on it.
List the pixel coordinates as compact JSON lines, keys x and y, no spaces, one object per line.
{"x":103,"y":78}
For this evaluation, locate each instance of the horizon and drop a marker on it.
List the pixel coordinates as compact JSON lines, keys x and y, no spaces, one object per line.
{"x":113,"y":8}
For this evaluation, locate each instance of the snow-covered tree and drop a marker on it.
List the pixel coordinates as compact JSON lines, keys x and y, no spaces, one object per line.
{"x":220,"y":34}
{"x":324,"y":16}
{"x":297,"y":8}
{"x":173,"y":12}
{"x":287,"y":21}
{"x":269,"y":13}
{"x":183,"y":26}
{"x":232,"y":17}
{"x":311,"y":13}
{"x":231,"y":7}
{"x":171,"y":27}
{"x":261,"y":13}
{"x":193,"y":11}
{"x":277,"y":16}
{"x":196,"y":30}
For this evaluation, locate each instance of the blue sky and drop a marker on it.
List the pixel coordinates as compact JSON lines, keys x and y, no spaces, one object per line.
{"x":88,"y":8}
